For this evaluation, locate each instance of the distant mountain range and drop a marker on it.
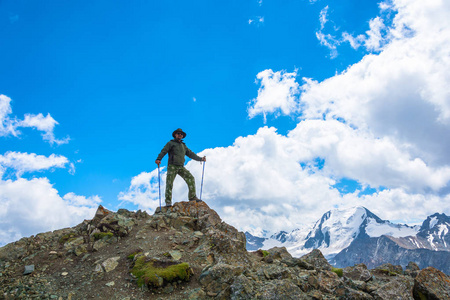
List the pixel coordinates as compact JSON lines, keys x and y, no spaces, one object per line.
{"x":356,"y":235}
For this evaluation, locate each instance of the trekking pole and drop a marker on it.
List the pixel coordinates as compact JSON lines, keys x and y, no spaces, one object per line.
{"x":203,"y":173}
{"x":159,"y":186}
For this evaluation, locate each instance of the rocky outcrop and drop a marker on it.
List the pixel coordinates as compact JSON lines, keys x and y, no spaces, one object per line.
{"x":188,"y":252}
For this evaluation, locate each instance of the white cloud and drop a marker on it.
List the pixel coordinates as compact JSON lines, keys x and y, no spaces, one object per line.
{"x":45,"y":124}
{"x":25,"y":162}
{"x":29,"y":207}
{"x":9,"y":126}
{"x":326,"y":39}
{"x":374,"y":42}
{"x":76,"y":200}
{"x":256,"y":21}
{"x":323,"y":17}
{"x":277,"y":94}
{"x":144,"y":191}
{"x":402,"y":92}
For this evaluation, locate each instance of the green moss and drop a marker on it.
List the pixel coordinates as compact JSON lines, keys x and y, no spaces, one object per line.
{"x":338,"y":271}
{"x":132,"y":255}
{"x":265,"y":253}
{"x":67,"y":238}
{"x":100,"y":235}
{"x":155,"y":274}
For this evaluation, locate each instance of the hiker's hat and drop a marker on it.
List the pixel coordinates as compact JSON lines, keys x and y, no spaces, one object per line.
{"x":179,"y":130}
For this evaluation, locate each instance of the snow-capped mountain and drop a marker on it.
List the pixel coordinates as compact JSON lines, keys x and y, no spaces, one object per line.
{"x":356,"y":235}
{"x":335,"y":231}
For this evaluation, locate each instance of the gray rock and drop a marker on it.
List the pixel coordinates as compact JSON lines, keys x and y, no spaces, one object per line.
{"x":317,"y":260}
{"x":110,"y":264}
{"x":28,"y":269}
{"x":358,"y":272}
{"x":399,"y":288}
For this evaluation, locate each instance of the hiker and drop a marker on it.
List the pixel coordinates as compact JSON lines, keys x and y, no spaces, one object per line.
{"x":177,"y":149}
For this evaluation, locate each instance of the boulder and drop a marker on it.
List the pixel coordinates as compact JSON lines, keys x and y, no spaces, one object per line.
{"x":399,"y":288}
{"x":316,"y":259}
{"x":358,"y":272}
{"x":432,"y":284}
{"x":219,"y":277}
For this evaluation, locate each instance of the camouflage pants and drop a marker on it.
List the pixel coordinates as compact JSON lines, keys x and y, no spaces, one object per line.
{"x":172,"y":172}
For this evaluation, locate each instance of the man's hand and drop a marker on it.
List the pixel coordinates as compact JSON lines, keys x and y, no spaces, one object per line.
{"x":158,"y":162}
{"x":204,"y":158}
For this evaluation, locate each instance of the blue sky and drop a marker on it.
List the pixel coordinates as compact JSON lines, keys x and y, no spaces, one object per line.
{"x":300,"y":106}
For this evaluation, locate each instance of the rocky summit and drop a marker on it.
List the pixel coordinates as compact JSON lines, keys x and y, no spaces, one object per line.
{"x":188,"y":252}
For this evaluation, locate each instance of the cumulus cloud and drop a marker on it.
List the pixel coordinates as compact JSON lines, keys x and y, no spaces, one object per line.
{"x":277,"y":94}
{"x":30,"y":162}
{"x":403,"y":91}
{"x":9,"y":125}
{"x":144,"y":190}
{"x":29,"y":207}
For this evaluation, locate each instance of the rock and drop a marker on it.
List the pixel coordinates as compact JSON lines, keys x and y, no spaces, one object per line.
{"x":328,"y":281}
{"x":271,"y":272}
{"x":110,"y":264}
{"x":110,"y":284}
{"x":399,"y":288}
{"x":390,"y":268}
{"x":242,"y":288}
{"x":98,"y":268}
{"x":101,"y":213}
{"x":74,"y":242}
{"x":197,"y":294}
{"x":358,"y":272}
{"x":412,"y":269}
{"x":317,"y":260}
{"x":102,"y":243}
{"x":218,"y":277}
{"x":176,"y":255}
{"x":28,"y":269}
{"x":279,"y":289}
{"x":81,"y":249}
{"x":279,"y":253}
{"x":64,"y":273}
{"x":431,"y":283}
{"x":412,"y":266}
{"x":344,"y":292}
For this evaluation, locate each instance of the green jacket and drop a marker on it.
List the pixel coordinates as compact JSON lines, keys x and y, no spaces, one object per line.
{"x":177,"y":150}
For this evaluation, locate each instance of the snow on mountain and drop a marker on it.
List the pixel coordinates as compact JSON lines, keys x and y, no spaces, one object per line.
{"x":435,"y":230}
{"x":335,"y":231}
{"x":351,"y":236}
{"x":375,"y":229}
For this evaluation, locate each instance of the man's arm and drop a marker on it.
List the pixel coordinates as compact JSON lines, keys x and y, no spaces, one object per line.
{"x":162,"y":153}
{"x":194,"y":156}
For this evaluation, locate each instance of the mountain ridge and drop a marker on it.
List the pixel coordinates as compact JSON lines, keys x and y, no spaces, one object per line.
{"x":337,"y":230}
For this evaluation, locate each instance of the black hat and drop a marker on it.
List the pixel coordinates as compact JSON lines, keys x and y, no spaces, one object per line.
{"x":180,"y":131}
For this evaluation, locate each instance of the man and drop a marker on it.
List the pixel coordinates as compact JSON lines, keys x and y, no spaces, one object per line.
{"x":177,"y":149}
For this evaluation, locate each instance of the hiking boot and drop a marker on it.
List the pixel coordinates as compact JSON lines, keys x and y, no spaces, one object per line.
{"x":195,"y":199}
